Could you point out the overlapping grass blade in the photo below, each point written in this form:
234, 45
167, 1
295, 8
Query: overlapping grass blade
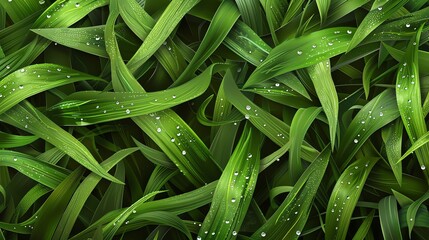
412, 212
320, 75
378, 14
289, 219
234, 190
380, 111
28, 118
392, 138
408, 95
364, 228
11, 140
301, 122
344, 197
309, 50
323, 6
389, 219
34, 79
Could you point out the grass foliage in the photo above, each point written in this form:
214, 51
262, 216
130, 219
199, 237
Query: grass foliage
210, 119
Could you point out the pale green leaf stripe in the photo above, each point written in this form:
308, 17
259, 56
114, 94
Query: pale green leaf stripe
389, 219
377, 15
34, 79
172, 15
344, 197
289, 219
85, 108
42, 172
222, 22
234, 191
28, 118
408, 95
320, 75
301, 122
412, 212
309, 50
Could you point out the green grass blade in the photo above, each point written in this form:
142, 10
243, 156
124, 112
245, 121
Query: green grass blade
364, 228
11, 140
53, 207
377, 15
301, 122
252, 15
28, 118
309, 50
34, 79
320, 75
408, 95
235, 189
44, 173
289, 219
392, 138
162, 29
323, 6
389, 219
412, 212
344, 197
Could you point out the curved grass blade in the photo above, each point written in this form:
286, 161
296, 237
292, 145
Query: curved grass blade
234, 190
392, 138
252, 15
344, 197
177, 204
111, 228
222, 22
290, 218
11, 141
408, 95
269, 125
320, 75
323, 6
82, 193
85, 108
364, 228
380, 111
34, 79
301, 122
18, 10
28, 118
52, 209
309, 50
377, 15
389, 219
166, 23
42, 172
412, 212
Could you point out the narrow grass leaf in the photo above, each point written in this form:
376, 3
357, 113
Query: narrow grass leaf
44, 173
308, 49
323, 6
380, 111
392, 138
377, 15
412, 212
364, 228
52, 209
408, 95
301, 122
344, 197
389, 219
11, 141
111, 228
289, 219
28, 118
34, 79
320, 75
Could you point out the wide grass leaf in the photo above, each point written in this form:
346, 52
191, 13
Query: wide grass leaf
389, 218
